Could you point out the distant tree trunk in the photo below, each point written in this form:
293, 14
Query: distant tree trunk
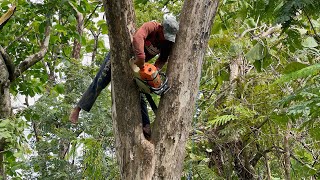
5, 104
5, 107
267, 166
76, 43
64, 144
287, 152
163, 156
8, 73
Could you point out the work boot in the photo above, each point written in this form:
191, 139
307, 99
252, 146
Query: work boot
147, 131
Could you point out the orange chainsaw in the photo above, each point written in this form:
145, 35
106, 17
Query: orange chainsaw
150, 80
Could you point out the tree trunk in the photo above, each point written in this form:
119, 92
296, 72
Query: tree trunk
76, 43
163, 156
5, 104
5, 107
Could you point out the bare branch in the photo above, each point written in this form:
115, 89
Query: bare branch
87, 20
34, 58
248, 30
95, 46
271, 30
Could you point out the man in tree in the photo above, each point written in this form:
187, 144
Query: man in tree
151, 39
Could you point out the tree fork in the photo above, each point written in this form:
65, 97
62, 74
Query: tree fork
163, 157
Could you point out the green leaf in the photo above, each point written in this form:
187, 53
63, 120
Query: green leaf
302, 73
235, 49
281, 119
293, 40
4, 123
42, 27
293, 66
223, 76
61, 29
309, 42
250, 23
315, 133
221, 120
59, 88
258, 52
6, 135
257, 65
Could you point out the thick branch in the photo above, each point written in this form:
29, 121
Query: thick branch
5, 18
34, 58
9, 63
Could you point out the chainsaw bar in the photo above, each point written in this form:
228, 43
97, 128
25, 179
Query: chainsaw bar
158, 91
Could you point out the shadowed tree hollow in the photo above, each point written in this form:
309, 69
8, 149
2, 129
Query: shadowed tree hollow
163, 156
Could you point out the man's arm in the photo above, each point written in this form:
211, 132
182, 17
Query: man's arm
164, 55
139, 39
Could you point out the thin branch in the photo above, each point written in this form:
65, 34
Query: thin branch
259, 155
256, 128
271, 30
281, 150
19, 37
312, 27
287, 153
34, 58
248, 30
87, 20
95, 46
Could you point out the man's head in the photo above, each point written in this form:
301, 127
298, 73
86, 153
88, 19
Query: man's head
170, 27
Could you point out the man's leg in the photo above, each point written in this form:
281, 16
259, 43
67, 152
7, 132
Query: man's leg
145, 118
101, 80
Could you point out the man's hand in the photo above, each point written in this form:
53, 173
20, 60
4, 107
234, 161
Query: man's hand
74, 116
139, 63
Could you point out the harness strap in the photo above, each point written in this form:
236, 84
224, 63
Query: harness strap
151, 102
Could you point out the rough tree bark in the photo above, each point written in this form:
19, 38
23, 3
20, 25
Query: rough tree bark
163, 156
5, 106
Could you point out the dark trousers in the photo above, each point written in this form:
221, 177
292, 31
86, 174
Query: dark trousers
101, 81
